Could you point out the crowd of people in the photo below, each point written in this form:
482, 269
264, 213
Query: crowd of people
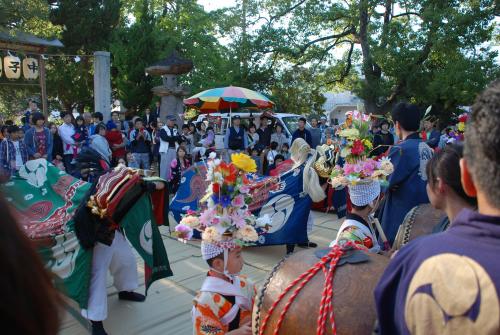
146, 142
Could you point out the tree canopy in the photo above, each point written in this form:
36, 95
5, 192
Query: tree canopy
430, 52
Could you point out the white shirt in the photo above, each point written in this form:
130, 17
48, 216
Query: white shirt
66, 131
19, 158
271, 155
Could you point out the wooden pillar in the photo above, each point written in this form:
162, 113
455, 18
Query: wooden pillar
43, 86
102, 83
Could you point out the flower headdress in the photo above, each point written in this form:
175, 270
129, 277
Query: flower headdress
358, 168
226, 221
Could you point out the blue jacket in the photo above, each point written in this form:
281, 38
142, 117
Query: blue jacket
8, 156
31, 143
433, 139
407, 184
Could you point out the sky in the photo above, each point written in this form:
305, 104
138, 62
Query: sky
216, 4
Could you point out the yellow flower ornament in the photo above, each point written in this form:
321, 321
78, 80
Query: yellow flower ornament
244, 162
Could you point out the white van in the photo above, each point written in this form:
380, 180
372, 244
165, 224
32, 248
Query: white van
220, 121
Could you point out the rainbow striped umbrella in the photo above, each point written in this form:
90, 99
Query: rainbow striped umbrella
227, 98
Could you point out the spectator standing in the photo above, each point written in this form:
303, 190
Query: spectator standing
115, 117
279, 136
264, 133
383, 139
97, 118
253, 137
57, 152
66, 132
116, 143
235, 139
430, 134
149, 117
100, 144
302, 132
315, 133
157, 110
187, 139
38, 139
81, 135
87, 118
13, 153
140, 145
155, 138
169, 140
177, 167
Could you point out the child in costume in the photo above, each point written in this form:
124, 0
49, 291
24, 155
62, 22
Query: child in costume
224, 303
362, 175
81, 137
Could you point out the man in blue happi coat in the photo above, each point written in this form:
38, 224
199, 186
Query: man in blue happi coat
449, 283
407, 184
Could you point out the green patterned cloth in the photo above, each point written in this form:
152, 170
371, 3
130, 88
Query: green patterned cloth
44, 200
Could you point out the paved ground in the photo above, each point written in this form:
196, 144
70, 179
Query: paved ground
167, 308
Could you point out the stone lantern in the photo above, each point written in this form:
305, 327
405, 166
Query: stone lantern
170, 92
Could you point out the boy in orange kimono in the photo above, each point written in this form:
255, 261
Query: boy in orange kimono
225, 301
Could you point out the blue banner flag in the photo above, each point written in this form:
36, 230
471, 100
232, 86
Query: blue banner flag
282, 198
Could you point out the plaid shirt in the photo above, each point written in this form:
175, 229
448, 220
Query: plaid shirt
8, 156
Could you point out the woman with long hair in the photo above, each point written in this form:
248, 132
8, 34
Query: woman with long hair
444, 185
30, 305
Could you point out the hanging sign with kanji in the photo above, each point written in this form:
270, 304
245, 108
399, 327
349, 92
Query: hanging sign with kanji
30, 68
12, 67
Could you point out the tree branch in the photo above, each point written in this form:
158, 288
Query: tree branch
347, 31
407, 14
347, 68
286, 11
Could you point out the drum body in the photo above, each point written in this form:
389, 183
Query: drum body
353, 299
419, 221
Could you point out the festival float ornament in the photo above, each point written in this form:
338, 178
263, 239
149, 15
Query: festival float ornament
358, 168
226, 221
30, 68
357, 139
12, 67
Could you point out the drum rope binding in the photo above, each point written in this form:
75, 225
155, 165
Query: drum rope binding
263, 292
326, 305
